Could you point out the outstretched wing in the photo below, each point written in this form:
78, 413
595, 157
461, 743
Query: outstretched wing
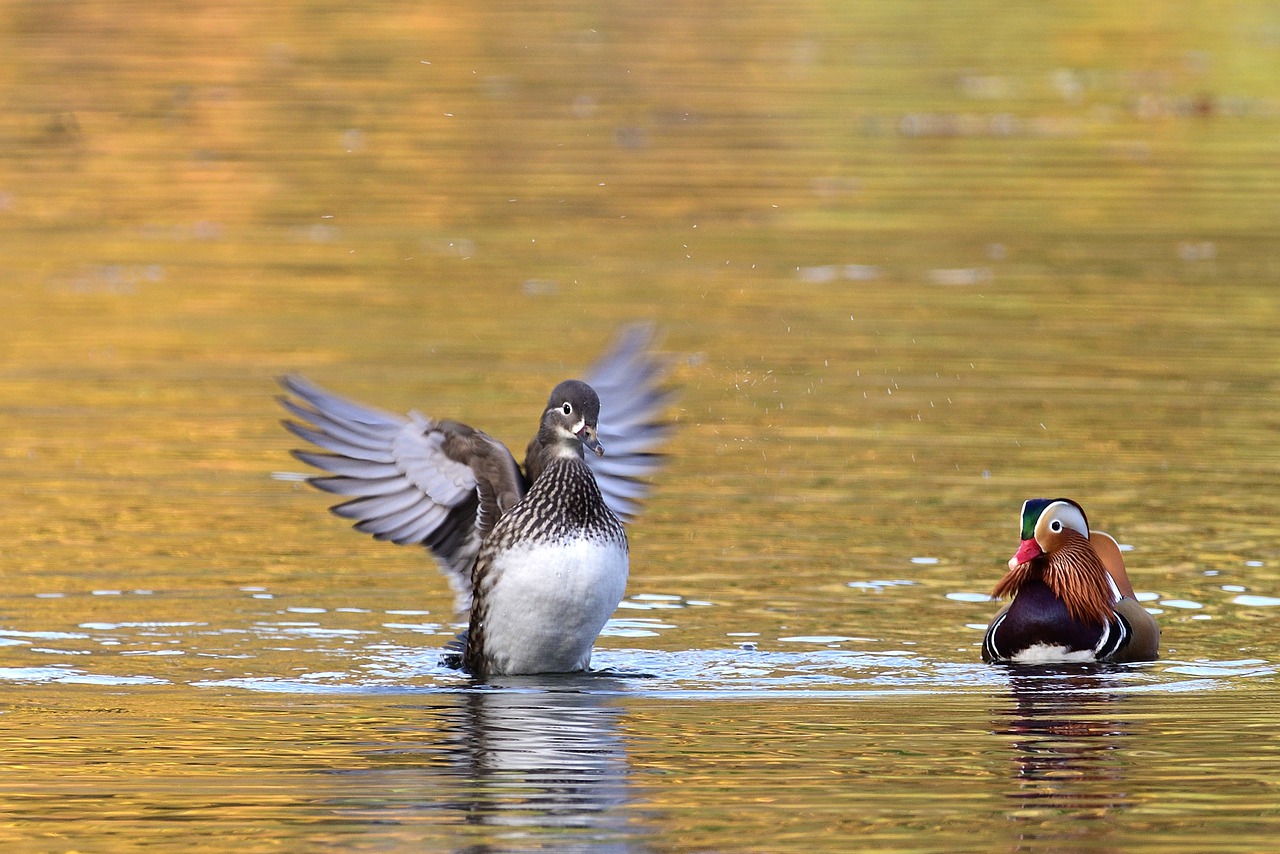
633, 395
411, 480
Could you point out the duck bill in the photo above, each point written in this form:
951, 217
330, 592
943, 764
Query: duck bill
1028, 550
588, 436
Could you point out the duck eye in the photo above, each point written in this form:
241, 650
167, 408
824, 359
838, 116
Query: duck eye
1055, 526
567, 408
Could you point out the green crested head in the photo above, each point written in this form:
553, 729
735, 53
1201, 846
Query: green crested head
1032, 508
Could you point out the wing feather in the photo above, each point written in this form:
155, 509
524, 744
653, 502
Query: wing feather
409, 479
631, 382
339, 445
372, 509
348, 467
357, 485
415, 480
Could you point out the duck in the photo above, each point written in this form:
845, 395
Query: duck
1072, 600
537, 555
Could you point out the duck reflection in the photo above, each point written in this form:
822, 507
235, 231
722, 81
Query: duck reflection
1068, 744
550, 756
541, 760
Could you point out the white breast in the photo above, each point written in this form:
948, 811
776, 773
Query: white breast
548, 603
1046, 653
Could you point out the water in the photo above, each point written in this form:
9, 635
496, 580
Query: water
917, 265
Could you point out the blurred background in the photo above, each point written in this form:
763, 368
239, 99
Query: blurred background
919, 262
915, 262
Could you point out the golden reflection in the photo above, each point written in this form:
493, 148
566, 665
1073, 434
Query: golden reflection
521, 755
1068, 744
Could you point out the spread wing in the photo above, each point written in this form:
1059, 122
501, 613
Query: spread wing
410, 480
633, 395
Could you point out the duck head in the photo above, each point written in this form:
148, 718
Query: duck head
1045, 523
1056, 547
571, 418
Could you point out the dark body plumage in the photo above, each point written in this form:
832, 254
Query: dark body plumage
537, 557
1037, 617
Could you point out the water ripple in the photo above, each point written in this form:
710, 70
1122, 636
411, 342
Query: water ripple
68, 675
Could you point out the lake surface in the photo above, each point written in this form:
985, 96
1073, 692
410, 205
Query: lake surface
914, 264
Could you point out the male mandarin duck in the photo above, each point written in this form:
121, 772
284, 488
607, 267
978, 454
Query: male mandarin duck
1072, 599
537, 557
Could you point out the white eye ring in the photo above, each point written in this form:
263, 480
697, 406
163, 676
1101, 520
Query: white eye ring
567, 409
1055, 526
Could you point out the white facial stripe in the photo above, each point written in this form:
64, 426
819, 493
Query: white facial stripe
576, 428
1069, 515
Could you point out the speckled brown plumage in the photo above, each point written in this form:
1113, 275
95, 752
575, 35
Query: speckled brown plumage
540, 550
564, 502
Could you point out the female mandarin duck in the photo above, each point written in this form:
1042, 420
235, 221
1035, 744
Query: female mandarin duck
537, 557
1072, 600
